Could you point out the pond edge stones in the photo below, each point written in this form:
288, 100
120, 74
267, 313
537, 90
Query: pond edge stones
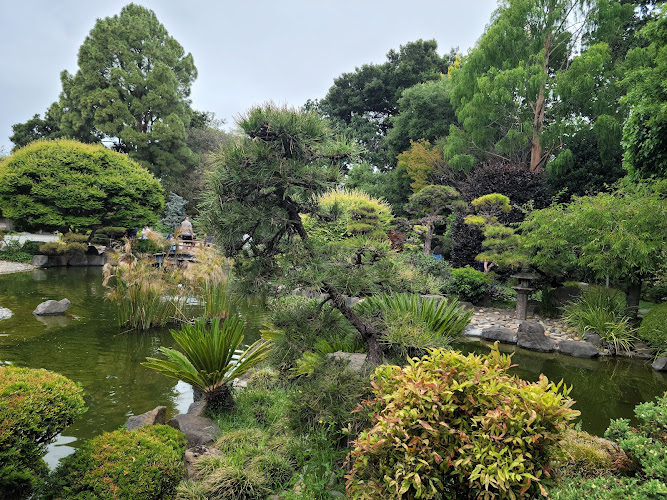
530, 335
52, 307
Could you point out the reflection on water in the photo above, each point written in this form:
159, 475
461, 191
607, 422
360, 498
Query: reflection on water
603, 388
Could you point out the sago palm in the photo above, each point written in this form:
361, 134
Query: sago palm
211, 358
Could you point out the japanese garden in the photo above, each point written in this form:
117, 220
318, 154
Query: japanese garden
444, 279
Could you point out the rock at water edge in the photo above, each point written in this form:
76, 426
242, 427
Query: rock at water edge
52, 307
502, 335
154, 417
578, 349
198, 430
530, 335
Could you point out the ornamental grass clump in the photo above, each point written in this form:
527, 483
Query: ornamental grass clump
454, 426
412, 324
602, 310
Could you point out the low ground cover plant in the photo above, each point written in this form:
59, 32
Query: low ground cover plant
35, 405
449, 425
145, 464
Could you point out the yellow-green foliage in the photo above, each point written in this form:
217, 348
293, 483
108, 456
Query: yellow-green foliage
345, 213
585, 455
455, 426
35, 405
63, 183
145, 464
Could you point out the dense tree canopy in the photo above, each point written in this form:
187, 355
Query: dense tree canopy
620, 235
131, 88
362, 102
645, 131
64, 184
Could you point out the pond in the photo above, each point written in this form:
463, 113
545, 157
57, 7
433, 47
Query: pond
88, 347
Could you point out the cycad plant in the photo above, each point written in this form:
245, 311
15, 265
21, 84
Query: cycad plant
412, 324
211, 358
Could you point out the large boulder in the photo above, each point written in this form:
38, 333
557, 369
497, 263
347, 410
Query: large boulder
40, 260
199, 431
77, 259
660, 364
565, 294
578, 349
355, 361
52, 307
157, 416
530, 335
5, 313
502, 335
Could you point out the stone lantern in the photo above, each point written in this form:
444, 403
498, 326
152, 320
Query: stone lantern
523, 291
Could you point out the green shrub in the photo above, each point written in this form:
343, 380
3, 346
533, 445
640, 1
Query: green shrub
18, 252
456, 426
411, 324
60, 247
468, 284
646, 444
71, 237
585, 455
601, 310
328, 397
144, 464
298, 323
653, 328
35, 405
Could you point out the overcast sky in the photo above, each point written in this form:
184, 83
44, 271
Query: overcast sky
246, 52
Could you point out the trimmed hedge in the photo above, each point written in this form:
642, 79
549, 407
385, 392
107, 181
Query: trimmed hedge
145, 464
468, 284
35, 405
653, 329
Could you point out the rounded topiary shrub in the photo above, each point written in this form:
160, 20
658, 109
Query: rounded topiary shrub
145, 464
653, 329
468, 284
454, 426
62, 184
35, 405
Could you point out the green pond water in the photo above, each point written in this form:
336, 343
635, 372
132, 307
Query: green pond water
88, 347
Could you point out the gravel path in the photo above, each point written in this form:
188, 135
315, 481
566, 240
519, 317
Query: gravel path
7, 267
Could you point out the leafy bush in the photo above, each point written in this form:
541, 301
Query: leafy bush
468, 284
60, 247
412, 324
145, 464
456, 426
601, 310
653, 328
426, 264
35, 405
14, 251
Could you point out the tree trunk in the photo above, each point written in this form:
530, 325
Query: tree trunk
428, 238
366, 329
538, 112
632, 295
